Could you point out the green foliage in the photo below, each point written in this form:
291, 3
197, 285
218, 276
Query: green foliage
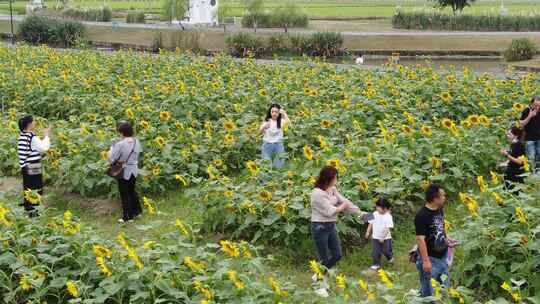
224, 10
102, 14
520, 49
456, 5
245, 44
135, 17
286, 16
435, 20
174, 9
38, 30
327, 44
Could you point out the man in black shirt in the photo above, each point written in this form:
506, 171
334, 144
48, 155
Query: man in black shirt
530, 121
432, 241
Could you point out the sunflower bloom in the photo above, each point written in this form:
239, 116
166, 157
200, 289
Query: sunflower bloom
25, 284
193, 265
252, 167
316, 269
520, 215
165, 115
32, 196
494, 178
341, 281
265, 195
308, 153
363, 186
276, 288
231, 249
481, 183
525, 162
72, 289
180, 225
160, 141
385, 279
181, 179
234, 278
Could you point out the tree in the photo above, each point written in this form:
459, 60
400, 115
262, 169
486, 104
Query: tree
255, 9
223, 12
456, 5
287, 15
174, 9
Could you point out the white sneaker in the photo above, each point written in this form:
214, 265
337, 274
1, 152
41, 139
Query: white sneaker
322, 292
314, 278
375, 267
391, 261
121, 221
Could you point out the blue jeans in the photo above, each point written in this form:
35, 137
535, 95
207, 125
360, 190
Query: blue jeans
271, 152
327, 243
533, 153
439, 268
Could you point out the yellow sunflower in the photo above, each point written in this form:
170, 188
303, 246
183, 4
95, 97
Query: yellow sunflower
160, 141
426, 130
165, 115
406, 129
473, 119
445, 96
229, 125
218, 162
447, 123
130, 114
265, 195
253, 168
229, 139
145, 124
308, 153
263, 93
325, 123
518, 107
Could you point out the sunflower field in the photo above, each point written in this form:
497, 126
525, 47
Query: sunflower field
390, 132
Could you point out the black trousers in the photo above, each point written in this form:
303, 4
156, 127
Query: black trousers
131, 206
33, 182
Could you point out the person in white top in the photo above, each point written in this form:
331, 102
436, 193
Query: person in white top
380, 225
272, 130
30, 149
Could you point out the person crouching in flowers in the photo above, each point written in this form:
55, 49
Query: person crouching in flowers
127, 151
326, 204
515, 155
272, 130
30, 150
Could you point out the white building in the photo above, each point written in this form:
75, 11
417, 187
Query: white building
203, 12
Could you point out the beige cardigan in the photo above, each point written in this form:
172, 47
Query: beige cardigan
324, 205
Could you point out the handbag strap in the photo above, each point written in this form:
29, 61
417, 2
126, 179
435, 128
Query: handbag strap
120, 156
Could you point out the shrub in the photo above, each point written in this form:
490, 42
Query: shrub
286, 16
300, 44
135, 17
37, 30
242, 44
520, 49
428, 19
276, 44
68, 33
178, 39
103, 14
328, 44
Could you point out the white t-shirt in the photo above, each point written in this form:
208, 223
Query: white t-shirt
273, 134
379, 223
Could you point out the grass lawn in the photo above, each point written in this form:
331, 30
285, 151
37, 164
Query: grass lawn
328, 8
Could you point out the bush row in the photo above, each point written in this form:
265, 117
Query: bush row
102, 14
44, 30
520, 49
327, 44
426, 19
276, 19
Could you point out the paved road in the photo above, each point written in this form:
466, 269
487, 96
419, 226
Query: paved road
347, 33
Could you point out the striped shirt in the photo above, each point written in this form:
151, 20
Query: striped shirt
24, 148
30, 148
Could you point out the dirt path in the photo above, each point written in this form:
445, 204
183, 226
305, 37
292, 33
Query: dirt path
97, 206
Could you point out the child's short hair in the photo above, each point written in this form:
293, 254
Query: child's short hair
383, 203
517, 131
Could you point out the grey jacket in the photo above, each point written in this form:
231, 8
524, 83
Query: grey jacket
120, 150
324, 205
